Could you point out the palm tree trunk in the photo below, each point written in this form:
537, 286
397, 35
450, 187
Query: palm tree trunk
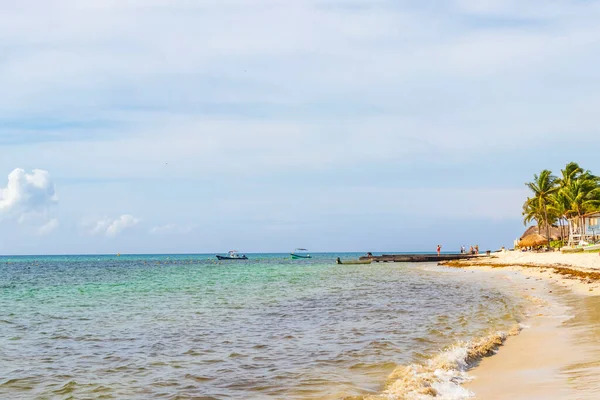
560, 226
546, 222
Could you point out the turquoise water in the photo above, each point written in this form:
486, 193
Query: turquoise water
187, 326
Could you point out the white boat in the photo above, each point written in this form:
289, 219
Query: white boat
300, 253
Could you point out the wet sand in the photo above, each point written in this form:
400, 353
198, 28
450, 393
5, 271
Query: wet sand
557, 355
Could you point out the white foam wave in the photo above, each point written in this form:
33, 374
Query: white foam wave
442, 377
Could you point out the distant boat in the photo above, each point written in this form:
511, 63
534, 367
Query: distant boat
299, 253
352, 262
232, 255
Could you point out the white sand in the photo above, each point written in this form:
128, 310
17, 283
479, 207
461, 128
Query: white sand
577, 260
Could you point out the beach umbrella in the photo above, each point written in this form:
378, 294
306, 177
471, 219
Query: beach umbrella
533, 240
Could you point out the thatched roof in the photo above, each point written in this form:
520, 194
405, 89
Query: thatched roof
555, 233
533, 240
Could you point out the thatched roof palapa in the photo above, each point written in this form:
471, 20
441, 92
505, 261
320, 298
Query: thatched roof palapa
533, 240
555, 232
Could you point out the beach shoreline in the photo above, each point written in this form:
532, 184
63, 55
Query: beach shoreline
587, 261
580, 272
539, 362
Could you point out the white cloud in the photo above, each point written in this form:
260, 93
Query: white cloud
120, 224
48, 228
179, 94
171, 229
112, 227
27, 194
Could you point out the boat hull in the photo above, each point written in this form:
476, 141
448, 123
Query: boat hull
231, 258
354, 262
297, 256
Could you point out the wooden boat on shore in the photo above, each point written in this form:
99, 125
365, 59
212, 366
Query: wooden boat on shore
232, 255
352, 262
299, 253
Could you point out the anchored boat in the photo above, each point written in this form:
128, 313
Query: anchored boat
352, 262
300, 253
232, 255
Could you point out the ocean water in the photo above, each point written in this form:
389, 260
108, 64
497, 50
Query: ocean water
188, 326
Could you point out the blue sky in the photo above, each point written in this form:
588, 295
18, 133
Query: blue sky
336, 125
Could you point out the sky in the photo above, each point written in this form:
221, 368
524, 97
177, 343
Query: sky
192, 126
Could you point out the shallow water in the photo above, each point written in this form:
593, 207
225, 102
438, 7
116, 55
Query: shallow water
188, 327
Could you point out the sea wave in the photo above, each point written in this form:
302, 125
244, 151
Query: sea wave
443, 375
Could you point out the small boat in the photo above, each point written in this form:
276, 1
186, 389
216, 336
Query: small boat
232, 255
299, 253
352, 262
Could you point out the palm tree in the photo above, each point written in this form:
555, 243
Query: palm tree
578, 192
571, 173
543, 187
582, 196
560, 208
532, 212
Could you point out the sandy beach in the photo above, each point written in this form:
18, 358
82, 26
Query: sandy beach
575, 260
580, 271
557, 355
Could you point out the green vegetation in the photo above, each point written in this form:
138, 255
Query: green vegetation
555, 200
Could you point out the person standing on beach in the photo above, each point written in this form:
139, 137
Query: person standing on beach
476, 249
439, 248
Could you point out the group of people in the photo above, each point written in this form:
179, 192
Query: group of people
463, 250
472, 249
